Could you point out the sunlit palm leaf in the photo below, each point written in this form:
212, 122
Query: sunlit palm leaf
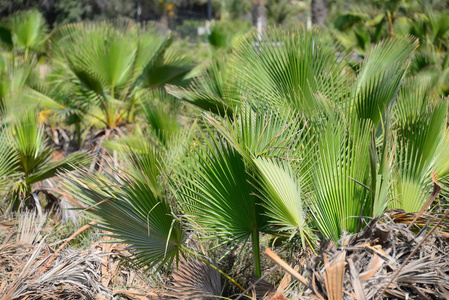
380, 77
108, 64
28, 30
340, 175
422, 148
218, 193
257, 130
282, 198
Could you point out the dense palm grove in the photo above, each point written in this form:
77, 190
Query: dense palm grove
289, 138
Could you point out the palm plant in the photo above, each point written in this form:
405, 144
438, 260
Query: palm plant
348, 148
106, 68
135, 198
421, 134
130, 210
24, 32
292, 140
20, 89
26, 160
298, 69
219, 195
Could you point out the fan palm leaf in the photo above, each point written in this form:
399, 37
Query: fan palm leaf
266, 139
24, 31
422, 148
161, 115
132, 213
215, 90
31, 159
281, 196
133, 203
257, 130
109, 65
9, 162
340, 176
380, 77
28, 29
298, 69
217, 194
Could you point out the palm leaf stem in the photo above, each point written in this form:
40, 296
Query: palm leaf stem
256, 252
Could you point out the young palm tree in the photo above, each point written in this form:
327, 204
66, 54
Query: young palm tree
26, 159
344, 110
106, 68
23, 32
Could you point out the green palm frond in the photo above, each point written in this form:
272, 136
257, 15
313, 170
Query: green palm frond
422, 148
109, 65
30, 159
257, 130
9, 163
340, 176
128, 209
29, 142
160, 115
28, 30
215, 89
382, 167
380, 77
105, 56
298, 69
142, 159
217, 194
438, 29
281, 196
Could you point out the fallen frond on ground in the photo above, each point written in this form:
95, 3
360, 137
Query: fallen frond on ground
386, 260
36, 271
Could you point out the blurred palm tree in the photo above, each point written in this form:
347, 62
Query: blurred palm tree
23, 32
26, 160
105, 69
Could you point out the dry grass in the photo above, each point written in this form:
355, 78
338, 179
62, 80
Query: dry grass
31, 269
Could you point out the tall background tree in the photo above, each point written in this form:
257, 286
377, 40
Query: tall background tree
319, 11
259, 15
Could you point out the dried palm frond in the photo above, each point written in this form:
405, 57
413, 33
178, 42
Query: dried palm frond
30, 224
72, 276
386, 260
195, 280
37, 272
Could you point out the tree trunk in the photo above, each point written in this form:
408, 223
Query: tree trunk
259, 15
319, 11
